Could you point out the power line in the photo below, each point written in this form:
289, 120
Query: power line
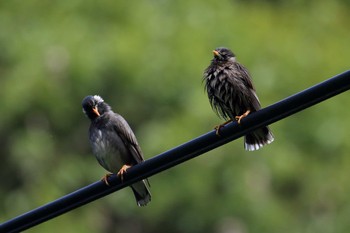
182, 153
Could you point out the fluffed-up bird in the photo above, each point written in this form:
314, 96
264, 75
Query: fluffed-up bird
114, 144
232, 95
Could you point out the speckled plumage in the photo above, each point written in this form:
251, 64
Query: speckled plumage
231, 93
114, 143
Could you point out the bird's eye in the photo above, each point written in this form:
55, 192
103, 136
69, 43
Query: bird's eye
223, 56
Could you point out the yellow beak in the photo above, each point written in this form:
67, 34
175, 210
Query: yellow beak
94, 109
216, 53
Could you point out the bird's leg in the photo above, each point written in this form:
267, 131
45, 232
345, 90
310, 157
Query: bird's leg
239, 118
105, 178
218, 127
122, 171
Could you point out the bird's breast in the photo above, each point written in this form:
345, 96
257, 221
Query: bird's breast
226, 92
108, 149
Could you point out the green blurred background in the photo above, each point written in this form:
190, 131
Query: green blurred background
146, 59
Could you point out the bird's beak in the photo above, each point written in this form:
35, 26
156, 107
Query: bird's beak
216, 53
94, 109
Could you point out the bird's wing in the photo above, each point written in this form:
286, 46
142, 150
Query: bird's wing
244, 76
123, 129
240, 77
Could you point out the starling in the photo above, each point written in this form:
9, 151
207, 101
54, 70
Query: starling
232, 95
114, 144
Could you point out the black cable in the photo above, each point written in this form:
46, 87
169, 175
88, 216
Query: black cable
182, 153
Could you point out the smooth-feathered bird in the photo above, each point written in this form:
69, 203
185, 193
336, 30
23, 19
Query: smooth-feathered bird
232, 95
114, 144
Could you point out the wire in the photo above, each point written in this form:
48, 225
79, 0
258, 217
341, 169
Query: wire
182, 153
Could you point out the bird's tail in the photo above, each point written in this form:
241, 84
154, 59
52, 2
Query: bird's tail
258, 138
141, 192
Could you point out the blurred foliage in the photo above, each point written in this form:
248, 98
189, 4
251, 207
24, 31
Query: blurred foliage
146, 59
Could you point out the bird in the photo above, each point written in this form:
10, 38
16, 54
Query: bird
232, 95
114, 144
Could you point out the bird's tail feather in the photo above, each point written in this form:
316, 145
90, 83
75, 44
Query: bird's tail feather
141, 192
258, 138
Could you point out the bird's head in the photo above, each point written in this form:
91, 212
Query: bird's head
94, 106
222, 54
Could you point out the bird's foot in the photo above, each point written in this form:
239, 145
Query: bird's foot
239, 118
122, 171
218, 127
105, 178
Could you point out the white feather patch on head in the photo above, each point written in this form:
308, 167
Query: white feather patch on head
98, 99
232, 59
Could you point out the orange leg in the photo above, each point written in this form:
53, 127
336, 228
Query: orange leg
122, 171
218, 127
239, 118
105, 179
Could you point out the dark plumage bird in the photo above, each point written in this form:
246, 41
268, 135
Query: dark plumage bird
114, 144
232, 95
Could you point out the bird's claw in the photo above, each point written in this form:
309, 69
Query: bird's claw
105, 179
122, 171
218, 127
239, 118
